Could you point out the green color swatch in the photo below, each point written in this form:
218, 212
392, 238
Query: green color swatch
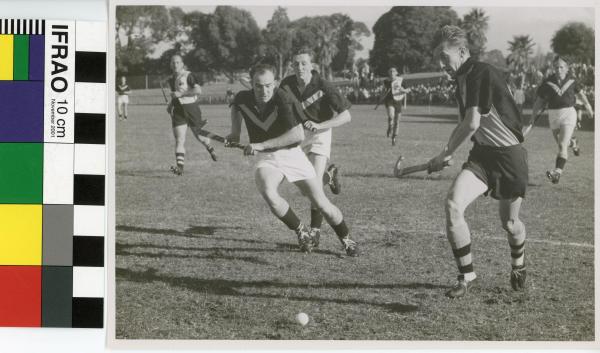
21, 58
21, 173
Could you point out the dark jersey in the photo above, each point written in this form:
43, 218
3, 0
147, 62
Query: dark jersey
559, 94
320, 101
123, 90
277, 118
483, 85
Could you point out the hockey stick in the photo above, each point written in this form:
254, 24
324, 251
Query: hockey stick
400, 171
382, 98
207, 133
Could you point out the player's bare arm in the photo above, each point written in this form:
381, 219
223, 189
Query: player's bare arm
236, 126
461, 133
196, 90
587, 104
538, 107
294, 135
339, 120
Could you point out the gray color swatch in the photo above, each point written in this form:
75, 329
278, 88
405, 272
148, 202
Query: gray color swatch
57, 235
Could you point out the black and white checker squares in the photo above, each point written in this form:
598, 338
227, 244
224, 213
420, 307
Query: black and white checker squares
89, 174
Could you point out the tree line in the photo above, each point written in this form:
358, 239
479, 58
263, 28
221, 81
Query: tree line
229, 41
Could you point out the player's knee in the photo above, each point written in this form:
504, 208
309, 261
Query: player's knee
513, 226
454, 213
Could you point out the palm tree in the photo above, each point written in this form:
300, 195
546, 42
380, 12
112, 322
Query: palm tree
326, 45
475, 24
520, 49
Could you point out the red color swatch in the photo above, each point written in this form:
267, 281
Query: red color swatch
21, 296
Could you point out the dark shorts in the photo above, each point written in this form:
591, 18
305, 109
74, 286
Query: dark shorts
396, 104
187, 114
503, 169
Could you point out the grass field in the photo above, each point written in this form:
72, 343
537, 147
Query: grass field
201, 257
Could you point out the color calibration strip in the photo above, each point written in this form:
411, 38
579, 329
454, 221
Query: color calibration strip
52, 176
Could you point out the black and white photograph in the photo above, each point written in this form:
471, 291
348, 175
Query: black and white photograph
353, 173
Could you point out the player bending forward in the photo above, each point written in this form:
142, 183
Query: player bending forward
497, 164
275, 135
184, 111
323, 108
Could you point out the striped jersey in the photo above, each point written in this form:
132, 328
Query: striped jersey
483, 85
184, 82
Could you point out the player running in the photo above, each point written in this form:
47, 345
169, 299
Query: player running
123, 92
393, 97
323, 108
185, 111
497, 164
559, 92
275, 135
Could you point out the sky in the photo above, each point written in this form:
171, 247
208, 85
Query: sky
539, 22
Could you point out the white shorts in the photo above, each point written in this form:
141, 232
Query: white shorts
317, 142
562, 117
292, 163
123, 99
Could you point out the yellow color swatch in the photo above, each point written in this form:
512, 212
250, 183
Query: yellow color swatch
20, 234
6, 57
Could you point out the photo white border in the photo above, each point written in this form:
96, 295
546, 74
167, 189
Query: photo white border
312, 345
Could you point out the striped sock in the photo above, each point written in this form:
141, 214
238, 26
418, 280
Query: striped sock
516, 239
459, 237
517, 255
180, 158
464, 260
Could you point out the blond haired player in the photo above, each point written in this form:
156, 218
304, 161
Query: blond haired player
497, 164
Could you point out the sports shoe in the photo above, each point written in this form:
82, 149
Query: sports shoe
350, 246
178, 170
553, 176
304, 240
461, 287
211, 151
518, 275
393, 140
573, 144
334, 181
315, 237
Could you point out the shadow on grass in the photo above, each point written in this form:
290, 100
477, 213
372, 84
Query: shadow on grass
231, 287
216, 255
196, 232
151, 173
125, 249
